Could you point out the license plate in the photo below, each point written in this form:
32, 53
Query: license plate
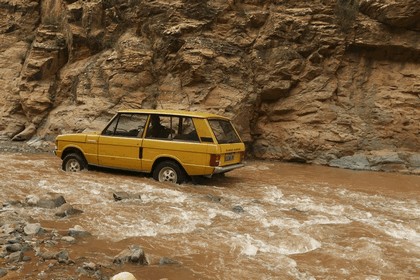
229, 157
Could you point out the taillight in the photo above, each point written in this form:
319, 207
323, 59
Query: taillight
214, 160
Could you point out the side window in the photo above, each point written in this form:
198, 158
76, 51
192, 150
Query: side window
160, 127
127, 125
109, 130
171, 127
185, 129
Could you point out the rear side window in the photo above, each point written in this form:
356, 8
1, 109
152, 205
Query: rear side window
126, 125
172, 128
224, 131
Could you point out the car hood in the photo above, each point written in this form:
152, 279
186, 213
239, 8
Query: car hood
76, 137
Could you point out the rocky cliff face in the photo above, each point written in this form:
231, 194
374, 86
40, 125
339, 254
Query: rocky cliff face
327, 82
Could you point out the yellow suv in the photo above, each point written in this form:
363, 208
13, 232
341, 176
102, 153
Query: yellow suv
169, 144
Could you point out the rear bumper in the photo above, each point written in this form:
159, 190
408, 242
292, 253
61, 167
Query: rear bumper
224, 169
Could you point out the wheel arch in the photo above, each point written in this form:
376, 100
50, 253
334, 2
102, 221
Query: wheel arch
71, 150
166, 158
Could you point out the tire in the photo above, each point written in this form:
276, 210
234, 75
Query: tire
73, 163
169, 171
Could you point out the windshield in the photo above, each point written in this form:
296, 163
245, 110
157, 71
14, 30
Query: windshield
224, 131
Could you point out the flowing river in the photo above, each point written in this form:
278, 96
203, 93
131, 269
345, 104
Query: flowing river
268, 220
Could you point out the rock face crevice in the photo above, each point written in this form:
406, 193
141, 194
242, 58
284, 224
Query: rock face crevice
302, 82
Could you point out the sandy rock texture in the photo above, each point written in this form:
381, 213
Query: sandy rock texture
310, 82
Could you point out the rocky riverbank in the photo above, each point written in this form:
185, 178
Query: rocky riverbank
32, 146
30, 250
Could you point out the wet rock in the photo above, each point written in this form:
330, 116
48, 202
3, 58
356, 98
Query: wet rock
9, 228
53, 201
32, 229
12, 203
42, 275
67, 210
134, 254
3, 252
48, 255
120, 196
123, 276
89, 266
381, 160
137, 255
214, 198
238, 209
297, 210
32, 200
167, 261
63, 256
50, 243
355, 162
68, 239
14, 240
124, 195
89, 269
15, 257
13, 247
78, 231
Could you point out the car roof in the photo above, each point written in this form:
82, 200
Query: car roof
174, 113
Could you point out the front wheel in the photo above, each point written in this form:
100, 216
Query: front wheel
169, 171
73, 163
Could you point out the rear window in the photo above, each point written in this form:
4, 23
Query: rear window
171, 128
224, 131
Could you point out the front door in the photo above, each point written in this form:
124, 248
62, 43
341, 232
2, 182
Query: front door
120, 144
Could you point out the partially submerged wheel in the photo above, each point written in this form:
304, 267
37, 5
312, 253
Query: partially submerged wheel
73, 163
169, 171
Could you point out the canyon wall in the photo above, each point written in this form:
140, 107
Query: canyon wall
326, 82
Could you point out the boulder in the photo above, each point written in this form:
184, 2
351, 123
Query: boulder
134, 254
123, 276
78, 231
67, 210
32, 229
356, 162
124, 195
51, 201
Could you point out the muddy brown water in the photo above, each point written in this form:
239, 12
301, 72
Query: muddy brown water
298, 221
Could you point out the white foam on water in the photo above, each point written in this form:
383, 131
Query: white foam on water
295, 243
162, 220
272, 194
327, 220
120, 230
261, 167
281, 223
386, 208
396, 230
